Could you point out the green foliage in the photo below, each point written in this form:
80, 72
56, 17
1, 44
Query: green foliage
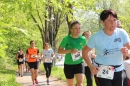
7, 76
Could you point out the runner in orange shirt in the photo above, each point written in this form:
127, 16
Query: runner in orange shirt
32, 55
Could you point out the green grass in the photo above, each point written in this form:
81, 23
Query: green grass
7, 76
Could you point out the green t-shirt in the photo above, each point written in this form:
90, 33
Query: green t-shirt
70, 43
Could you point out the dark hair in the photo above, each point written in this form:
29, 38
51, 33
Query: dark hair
73, 23
126, 58
104, 14
32, 41
46, 43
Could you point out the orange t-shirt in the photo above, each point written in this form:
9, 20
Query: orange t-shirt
32, 51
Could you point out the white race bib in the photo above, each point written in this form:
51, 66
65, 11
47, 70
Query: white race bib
47, 60
20, 60
106, 72
77, 55
33, 56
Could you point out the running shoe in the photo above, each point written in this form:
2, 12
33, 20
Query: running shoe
33, 85
36, 81
48, 82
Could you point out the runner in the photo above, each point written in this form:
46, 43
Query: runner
72, 45
26, 65
48, 56
20, 61
32, 55
110, 44
91, 54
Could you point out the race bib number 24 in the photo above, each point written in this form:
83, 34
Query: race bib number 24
106, 72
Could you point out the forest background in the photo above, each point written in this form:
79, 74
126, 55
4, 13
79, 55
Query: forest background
49, 20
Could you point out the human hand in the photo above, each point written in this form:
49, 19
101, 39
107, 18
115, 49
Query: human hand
124, 51
74, 51
94, 69
34, 56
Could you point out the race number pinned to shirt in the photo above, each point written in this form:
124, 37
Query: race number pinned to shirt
20, 60
77, 55
47, 60
106, 72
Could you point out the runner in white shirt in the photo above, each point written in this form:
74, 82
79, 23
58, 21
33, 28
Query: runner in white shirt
48, 56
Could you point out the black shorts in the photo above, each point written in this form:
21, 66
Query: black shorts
26, 61
19, 63
120, 79
71, 70
33, 65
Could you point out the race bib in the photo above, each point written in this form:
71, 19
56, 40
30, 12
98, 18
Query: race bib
77, 55
20, 60
33, 56
47, 60
106, 72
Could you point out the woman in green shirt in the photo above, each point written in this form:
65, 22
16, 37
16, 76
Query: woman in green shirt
72, 46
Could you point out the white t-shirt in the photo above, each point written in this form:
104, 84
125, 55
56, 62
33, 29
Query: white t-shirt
47, 54
89, 54
127, 67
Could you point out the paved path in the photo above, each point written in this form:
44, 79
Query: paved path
26, 80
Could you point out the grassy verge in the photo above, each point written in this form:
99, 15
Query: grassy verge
7, 76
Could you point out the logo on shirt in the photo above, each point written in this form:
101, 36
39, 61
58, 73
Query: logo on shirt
110, 51
106, 52
117, 40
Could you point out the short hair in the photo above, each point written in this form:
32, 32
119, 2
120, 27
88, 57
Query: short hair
105, 13
46, 43
32, 41
73, 23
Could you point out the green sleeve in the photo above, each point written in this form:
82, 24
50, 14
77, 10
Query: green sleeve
64, 42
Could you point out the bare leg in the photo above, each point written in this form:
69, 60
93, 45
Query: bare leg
79, 79
70, 82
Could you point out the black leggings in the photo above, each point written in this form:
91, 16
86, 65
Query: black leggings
88, 76
47, 67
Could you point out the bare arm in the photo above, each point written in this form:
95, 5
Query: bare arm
93, 55
85, 56
63, 51
126, 49
26, 55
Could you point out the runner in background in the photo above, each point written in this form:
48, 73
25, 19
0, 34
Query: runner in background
26, 65
32, 54
91, 54
127, 67
119, 24
48, 56
71, 46
20, 61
